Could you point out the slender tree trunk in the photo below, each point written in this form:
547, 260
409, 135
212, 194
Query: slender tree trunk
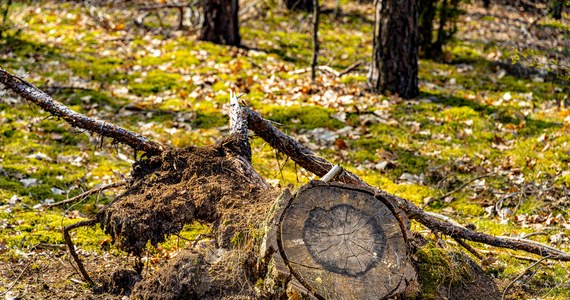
441, 33
315, 39
5, 17
306, 5
395, 53
426, 17
220, 23
487, 4
337, 9
557, 9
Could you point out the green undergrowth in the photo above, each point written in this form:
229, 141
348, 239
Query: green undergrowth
470, 120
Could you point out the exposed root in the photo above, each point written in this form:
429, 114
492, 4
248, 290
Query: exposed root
71, 247
88, 193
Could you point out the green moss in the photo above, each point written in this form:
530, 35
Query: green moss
238, 239
462, 113
155, 81
556, 24
33, 228
565, 179
464, 53
209, 119
185, 238
10, 185
469, 209
438, 267
306, 117
352, 79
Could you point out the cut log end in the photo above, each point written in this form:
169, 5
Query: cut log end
340, 242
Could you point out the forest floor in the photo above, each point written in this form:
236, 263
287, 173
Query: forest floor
486, 143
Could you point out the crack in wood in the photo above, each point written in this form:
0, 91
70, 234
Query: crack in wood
341, 242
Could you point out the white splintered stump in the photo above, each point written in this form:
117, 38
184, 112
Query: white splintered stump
344, 243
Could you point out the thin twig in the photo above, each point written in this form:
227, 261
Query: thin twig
87, 194
444, 218
464, 185
349, 68
473, 251
11, 285
332, 173
521, 275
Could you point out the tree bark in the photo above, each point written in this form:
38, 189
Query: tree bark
221, 24
315, 40
487, 4
306, 5
43, 100
426, 16
394, 66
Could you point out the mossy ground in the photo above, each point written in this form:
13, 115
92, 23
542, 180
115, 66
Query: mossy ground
469, 121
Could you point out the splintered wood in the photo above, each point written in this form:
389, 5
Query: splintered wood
344, 243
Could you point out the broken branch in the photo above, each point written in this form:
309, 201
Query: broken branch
43, 100
238, 125
320, 166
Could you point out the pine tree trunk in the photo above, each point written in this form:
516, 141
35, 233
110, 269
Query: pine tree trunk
220, 23
395, 53
306, 5
426, 16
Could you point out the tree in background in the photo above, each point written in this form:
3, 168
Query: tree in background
315, 39
220, 25
426, 16
5, 18
306, 5
394, 65
556, 9
446, 14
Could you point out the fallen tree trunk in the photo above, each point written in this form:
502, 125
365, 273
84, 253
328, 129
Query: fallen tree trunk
319, 166
218, 185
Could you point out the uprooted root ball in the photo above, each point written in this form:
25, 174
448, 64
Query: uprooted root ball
180, 186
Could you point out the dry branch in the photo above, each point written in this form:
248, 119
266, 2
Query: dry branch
43, 100
329, 70
294, 150
319, 166
179, 6
238, 126
88, 193
69, 243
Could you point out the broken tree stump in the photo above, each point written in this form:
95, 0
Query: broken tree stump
338, 242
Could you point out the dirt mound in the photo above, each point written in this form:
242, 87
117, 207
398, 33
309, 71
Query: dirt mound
210, 274
119, 283
184, 278
475, 285
182, 185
